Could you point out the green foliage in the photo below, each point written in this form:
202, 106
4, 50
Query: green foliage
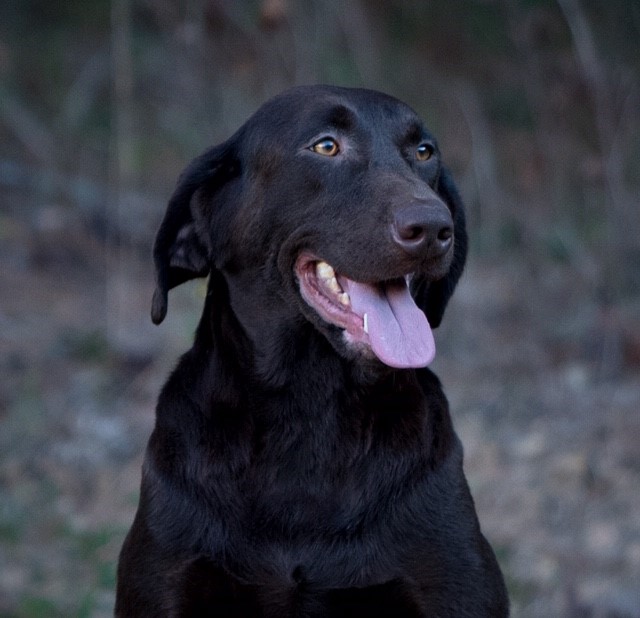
38, 607
89, 347
521, 592
486, 27
88, 542
48, 55
508, 106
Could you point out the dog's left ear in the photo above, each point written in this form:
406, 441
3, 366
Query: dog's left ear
433, 297
182, 248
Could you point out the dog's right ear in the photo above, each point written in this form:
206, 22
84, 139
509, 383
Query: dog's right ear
182, 248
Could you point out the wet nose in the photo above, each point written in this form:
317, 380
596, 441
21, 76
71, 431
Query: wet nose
423, 229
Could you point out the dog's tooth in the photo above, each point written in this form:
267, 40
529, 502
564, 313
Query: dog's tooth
365, 323
332, 284
344, 299
325, 271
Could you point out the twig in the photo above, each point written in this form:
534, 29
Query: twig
121, 162
483, 158
33, 134
610, 124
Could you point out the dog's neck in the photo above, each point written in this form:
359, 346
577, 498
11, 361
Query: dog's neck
292, 377
278, 347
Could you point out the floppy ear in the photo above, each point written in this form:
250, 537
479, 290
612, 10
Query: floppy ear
433, 297
182, 248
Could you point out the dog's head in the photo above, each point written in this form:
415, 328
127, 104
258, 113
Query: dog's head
333, 206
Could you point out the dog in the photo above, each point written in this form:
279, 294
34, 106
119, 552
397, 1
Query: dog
303, 461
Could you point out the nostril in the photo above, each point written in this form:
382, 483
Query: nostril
445, 234
412, 232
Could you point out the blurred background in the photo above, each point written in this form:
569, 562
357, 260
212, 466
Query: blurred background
536, 105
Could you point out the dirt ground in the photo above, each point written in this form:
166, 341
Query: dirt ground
544, 385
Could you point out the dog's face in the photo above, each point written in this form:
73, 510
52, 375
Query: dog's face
334, 203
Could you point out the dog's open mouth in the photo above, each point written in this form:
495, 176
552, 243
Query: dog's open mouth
382, 317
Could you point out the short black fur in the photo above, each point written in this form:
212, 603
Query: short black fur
291, 472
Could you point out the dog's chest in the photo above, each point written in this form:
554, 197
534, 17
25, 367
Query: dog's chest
308, 489
352, 533
346, 488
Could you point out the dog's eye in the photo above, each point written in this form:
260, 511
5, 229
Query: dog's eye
424, 152
327, 146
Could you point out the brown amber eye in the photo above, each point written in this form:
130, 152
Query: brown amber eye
424, 152
327, 146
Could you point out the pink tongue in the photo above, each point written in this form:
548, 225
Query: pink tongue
399, 333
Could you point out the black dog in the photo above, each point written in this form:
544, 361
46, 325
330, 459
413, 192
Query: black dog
303, 461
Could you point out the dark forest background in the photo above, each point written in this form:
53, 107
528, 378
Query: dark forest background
536, 104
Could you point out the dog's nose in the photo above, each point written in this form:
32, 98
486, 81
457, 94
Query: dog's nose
423, 229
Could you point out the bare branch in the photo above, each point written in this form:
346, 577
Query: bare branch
28, 129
